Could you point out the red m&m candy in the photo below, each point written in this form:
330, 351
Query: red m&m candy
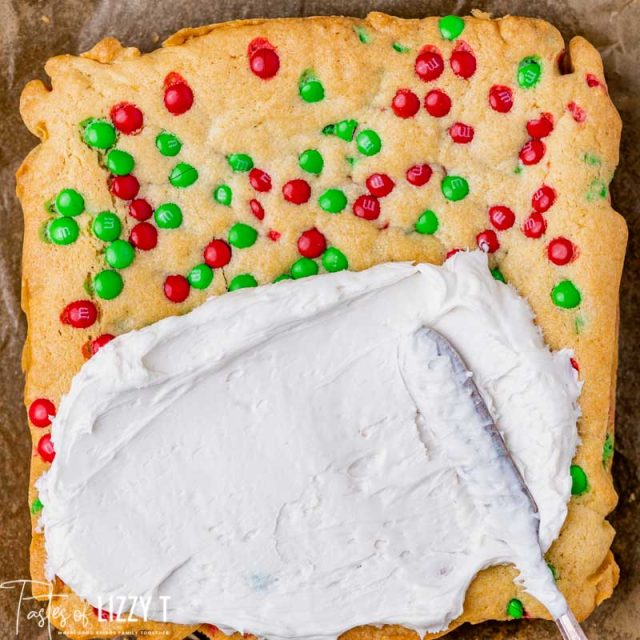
45, 448
312, 243
592, 80
578, 113
124, 187
260, 180
217, 254
176, 288
461, 133
97, 343
41, 411
144, 236
380, 184
366, 207
501, 217
178, 97
534, 226
437, 103
543, 199
532, 152
561, 251
419, 174
501, 98
429, 64
257, 209
127, 118
488, 241
79, 314
264, 62
296, 191
541, 127
140, 209
463, 62
405, 103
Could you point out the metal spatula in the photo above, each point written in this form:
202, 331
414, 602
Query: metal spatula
567, 624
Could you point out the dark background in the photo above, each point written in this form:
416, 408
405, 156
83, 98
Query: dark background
32, 31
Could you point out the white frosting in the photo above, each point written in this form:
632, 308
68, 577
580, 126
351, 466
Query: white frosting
295, 460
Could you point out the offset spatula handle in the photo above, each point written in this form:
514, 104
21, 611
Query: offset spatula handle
569, 627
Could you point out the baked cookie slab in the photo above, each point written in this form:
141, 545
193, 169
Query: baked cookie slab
244, 152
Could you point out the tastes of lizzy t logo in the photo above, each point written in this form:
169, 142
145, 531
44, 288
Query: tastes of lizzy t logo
115, 609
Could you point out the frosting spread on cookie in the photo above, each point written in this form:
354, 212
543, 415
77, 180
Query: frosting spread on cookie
295, 460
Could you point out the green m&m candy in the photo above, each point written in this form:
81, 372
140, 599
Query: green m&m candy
345, 129
36, 506
400, 48
223, 195
99, 134
554, 571
303, 268
454, 188
240, 162
183, 175
607, 449
310, 88
119, 254
242, 281
427, 223
579, 482
63, 230
108, 284
368, 142
334, 260
515, 609
566, 295
168, 144
106, 226
119, 162
529, 72
451, 27
333, 200
498, 275
311, 161
242, 235
69, 203
201, 276
284, 276
168, 216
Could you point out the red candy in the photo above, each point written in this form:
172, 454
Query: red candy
79, 314
41, 411
488, 241
574, 364
273, 235
561, 251
264, 62
543, 199
429, 64
461, 133
592, 80
124, 187
534, 226
452, 252
140, 209
463, 62
97, 343
501, 217
541, 127
176, 288
437, 103
501, 98
311, 243
127, 118
296, 191
405, 103
578, 113
419, 174
532, 152
178, 97
380, 184
367, 207
45, 448
217, 254
144, 236
257, 209
260, 180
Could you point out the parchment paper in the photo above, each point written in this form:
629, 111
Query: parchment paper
32, 31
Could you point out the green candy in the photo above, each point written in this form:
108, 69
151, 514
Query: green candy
607, 449
168, 216
554, 571
310, 88
334, 260
223, 195
427, 223
183, 175
498, 275
201, 276
345, 129
168, 144
242, 235
451, 27
106, 226
119, 162
240, 162
119, 254
329, 130
63, 230
108, 284
303, 268
311, 161
529, 72
36, 506
579, 482
333, 200
284, 276
400, 48
69, 203
368, 142
99, 134
515, 609
566, 295
454, 188
362, 34
242, 281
